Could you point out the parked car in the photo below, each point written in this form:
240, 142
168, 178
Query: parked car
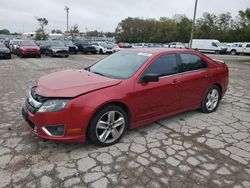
72, 48
102, 47
4, 52
246, 48
57, 48
124, 45
13, 46
28, 48
177, 45
42, 44
239, 48
127, 89
85, 47
139, 45
116, 48
209, 46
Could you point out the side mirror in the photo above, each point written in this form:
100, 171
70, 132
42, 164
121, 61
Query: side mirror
150, 77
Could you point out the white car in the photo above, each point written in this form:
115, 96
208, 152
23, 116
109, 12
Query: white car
102, 47
13, 46
116, 48
239, 48
177, 45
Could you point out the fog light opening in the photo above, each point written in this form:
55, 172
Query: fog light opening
54, 130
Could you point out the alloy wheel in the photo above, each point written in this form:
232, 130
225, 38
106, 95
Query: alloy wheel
212, 99
110, 126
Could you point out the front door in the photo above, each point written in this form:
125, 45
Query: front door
158, 98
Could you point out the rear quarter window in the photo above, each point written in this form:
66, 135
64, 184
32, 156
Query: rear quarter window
190, 62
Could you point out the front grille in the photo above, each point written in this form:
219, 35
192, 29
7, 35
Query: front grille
61, 52
30, 108
30, 123
25, 116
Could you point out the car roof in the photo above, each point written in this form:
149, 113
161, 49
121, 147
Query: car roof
156, 51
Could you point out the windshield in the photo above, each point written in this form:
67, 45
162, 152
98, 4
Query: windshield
57, 44
121, 65
103, 44
15, 42
27, 43
68, 42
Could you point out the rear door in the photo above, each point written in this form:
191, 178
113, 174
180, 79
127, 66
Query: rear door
194, 79
162, 97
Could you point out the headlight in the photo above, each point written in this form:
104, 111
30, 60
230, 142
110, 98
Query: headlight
53, 105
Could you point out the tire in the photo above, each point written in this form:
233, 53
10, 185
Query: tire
211, 100
217, 52
233, 52
67, 55
105, 134
100, 51
38, 56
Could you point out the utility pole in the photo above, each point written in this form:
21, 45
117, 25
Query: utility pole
67, 11
193, 24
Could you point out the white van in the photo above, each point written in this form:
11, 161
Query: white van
208, 45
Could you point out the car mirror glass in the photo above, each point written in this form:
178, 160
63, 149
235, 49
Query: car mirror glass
150, 77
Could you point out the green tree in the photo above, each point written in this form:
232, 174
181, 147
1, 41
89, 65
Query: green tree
4, 31
57, 31
40, 32
74, 29
94, 33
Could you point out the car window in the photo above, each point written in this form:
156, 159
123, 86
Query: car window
240, 45
163, 66
191, 62
248, 46
214, 44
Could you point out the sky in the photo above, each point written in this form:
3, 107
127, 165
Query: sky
103, 15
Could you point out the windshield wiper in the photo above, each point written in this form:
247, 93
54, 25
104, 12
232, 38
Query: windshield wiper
98, 73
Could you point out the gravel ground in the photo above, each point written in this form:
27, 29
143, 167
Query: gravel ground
191, 149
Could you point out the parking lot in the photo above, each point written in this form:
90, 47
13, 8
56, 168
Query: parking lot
190, 150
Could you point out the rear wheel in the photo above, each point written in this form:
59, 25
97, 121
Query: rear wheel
108, 125
233, 52
211, 100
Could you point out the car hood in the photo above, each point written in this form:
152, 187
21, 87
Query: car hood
59, 48
72, 83
6, 50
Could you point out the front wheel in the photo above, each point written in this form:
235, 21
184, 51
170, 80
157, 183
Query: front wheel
211, 100
108, 125
233, 52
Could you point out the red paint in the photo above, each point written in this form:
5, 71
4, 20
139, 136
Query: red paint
146, 102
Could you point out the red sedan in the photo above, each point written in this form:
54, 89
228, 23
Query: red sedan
28, 47
128, 89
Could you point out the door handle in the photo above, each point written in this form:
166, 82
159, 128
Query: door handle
175, 81
207, 76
